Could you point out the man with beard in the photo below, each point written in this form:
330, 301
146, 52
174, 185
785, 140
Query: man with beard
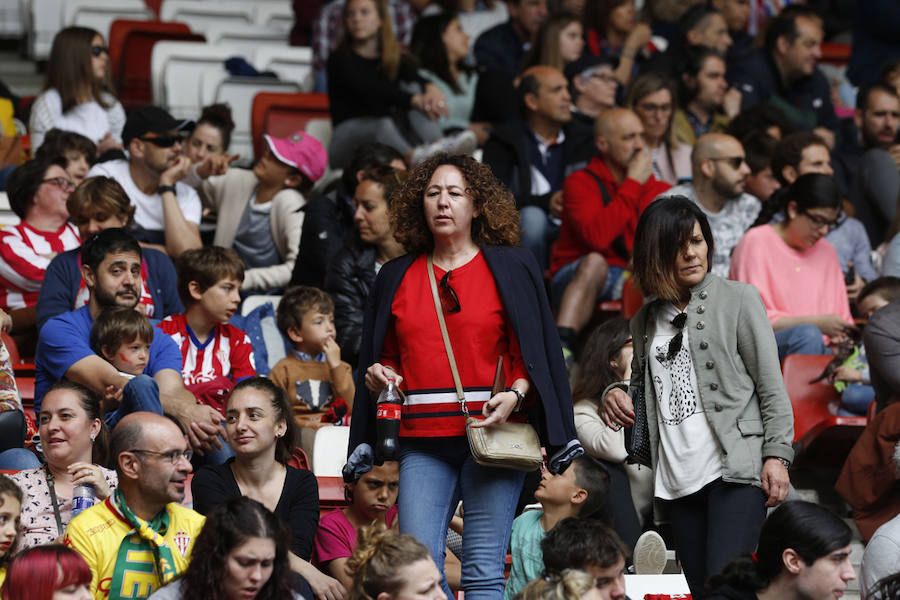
720, 173
111, 267
167, 210
140, 538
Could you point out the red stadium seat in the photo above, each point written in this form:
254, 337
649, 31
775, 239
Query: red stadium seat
331, 494
130, 47
632, 299
280, 114
815, 407
835, 53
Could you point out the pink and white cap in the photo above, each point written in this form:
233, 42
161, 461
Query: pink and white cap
301, 151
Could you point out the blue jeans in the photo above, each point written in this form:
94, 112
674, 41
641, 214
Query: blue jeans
538, 232
800, 339
139, 394
434, 475
855, 400
18, 459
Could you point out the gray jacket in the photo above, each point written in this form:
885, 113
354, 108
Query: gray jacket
736, 362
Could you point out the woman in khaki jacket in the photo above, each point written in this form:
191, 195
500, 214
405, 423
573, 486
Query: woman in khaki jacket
719, 419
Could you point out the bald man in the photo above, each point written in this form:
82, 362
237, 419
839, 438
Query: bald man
720, 172
601, 206
533, 155
139, 539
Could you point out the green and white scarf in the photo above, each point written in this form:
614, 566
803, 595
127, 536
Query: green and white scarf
145, 537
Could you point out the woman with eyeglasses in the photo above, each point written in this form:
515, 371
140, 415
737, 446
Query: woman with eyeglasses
37, 194
453, 217
74, 440
261, 430
352, 272
705, 377
653, 98
78, 93
796, 270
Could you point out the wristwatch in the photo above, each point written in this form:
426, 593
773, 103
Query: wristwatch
783, 461
520, 397
165, 188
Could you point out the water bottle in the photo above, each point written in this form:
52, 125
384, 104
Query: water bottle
387, 419
83, 497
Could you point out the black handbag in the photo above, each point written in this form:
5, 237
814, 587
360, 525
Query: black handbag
637, 437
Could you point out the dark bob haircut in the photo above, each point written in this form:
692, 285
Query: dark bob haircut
662, 231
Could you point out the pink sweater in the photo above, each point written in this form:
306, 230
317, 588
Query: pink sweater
792, 283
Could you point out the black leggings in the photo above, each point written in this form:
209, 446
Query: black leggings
712, 526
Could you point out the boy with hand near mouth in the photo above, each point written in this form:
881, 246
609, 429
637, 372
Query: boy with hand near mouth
215, 355
319, 384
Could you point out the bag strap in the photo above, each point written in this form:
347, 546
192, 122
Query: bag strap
440, 315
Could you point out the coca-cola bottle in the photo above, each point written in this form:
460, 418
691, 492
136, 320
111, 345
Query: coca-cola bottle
387, 419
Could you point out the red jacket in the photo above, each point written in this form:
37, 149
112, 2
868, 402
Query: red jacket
589, 224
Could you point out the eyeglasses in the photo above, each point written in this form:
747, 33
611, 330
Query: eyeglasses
172, 455
734, 162
652, 108
98, 50
449, 299
60, 182
164, 141
605, 78
820, 222
675, 343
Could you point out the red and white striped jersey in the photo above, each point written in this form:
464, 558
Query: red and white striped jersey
25, 253
227, 352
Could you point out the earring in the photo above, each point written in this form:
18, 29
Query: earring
93, 437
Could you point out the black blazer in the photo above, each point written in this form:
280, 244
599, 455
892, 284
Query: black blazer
521, 288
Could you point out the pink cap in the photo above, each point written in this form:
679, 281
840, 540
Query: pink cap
302, 151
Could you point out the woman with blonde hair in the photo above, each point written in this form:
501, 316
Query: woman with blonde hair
456, 220
572, 584
387, 565
78, 93
653, 97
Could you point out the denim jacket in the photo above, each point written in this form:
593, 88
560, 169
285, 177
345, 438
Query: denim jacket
738, 375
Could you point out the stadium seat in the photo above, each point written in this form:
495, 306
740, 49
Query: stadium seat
238, 92
255, 300
835, 53
632, 299
288, 62
119, 31
203, 14
12, 18
329, 453
134, 83
247, 38
815, 407
43, 19
99, 14
277, 15
177, 69
281, 115
331, 494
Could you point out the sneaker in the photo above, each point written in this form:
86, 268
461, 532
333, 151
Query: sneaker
649, 554
464, 142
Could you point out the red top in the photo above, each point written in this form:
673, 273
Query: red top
589, 226
479, 333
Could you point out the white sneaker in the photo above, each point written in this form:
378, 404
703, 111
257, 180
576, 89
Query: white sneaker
464, 142
649, 554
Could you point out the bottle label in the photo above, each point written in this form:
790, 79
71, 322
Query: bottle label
80, 503
388, 410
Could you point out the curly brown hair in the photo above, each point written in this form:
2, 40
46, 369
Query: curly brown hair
497, 223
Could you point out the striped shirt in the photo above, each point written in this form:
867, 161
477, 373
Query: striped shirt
25, 253
227, 353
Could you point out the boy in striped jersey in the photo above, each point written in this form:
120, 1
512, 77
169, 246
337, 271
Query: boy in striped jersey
215, 355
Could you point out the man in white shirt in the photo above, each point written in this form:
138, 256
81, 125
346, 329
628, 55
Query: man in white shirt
167, 211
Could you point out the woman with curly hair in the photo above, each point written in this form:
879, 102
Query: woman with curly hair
453, 212
241, 554
394, 564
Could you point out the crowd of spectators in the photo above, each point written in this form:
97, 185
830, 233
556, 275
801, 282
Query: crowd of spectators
496, 172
